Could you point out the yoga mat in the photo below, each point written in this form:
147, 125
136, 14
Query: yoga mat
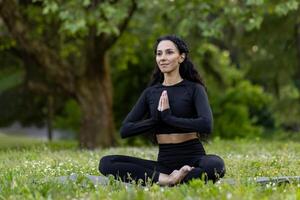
102, 180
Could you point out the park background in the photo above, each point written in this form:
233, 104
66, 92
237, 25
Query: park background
78, 67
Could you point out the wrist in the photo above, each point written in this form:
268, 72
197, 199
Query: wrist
165, 114
156, 115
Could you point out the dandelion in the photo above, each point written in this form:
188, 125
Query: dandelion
228, 195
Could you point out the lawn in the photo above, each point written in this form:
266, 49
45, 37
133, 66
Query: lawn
29, 173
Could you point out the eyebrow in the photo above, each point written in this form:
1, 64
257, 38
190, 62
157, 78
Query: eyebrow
166, 49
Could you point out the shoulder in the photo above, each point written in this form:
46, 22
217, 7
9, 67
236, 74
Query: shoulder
194, 86
197, 90
148, 90
151, 88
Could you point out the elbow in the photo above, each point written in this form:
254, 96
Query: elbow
207, 126
209, 129
123, 132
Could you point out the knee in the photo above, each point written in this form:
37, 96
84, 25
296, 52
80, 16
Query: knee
219, 166
105, 164
214, 167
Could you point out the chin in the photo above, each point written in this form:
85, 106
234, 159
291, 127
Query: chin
166, 70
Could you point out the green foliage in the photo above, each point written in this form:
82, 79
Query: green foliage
6, 43
70, 117
287, 108
233, 111
285, 7
237, 105
21, 105
10, 78
271, 60
77, 17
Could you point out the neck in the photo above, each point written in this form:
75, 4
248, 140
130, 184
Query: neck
172, 79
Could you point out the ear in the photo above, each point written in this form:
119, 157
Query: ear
182, 57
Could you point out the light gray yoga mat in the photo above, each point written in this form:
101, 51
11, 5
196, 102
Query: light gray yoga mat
265, 180
102, 180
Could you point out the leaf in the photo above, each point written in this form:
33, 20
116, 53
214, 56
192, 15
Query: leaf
255, 2
284, 8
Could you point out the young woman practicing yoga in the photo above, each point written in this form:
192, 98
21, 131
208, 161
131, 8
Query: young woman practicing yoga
175, 108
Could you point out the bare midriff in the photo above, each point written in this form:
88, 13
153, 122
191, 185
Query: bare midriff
174, 138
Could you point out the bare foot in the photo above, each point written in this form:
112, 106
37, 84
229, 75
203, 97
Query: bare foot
177, 175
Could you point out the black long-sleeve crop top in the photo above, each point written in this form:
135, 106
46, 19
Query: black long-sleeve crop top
189, 111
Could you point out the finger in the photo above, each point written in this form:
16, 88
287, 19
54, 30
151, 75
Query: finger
167, 100
184, 169
159, 104
190, 168
164, 102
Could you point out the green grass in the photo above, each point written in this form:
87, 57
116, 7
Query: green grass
8, 142
28, 173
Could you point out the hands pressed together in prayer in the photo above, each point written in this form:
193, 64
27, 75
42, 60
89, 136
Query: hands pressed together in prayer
163, 101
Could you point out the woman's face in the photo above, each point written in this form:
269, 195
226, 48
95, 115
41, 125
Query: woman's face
168, 57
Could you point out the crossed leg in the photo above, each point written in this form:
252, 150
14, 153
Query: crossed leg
131, 168
209, 167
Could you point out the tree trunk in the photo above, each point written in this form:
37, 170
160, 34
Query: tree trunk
94, 95
50, 117
297, 36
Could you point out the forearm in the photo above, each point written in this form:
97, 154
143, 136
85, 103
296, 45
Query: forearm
129, 129
200, 124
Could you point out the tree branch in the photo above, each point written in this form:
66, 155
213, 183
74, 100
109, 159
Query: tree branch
107, 41
44, 56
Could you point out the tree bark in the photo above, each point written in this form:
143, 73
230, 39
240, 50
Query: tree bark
94, 94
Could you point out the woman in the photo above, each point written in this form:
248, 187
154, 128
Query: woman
178, 112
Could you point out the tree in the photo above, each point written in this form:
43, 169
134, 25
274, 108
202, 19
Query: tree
69, 41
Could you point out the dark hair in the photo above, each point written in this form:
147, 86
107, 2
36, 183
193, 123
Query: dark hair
187, 69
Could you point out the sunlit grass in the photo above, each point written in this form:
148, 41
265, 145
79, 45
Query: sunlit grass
30, 173
14, 141
9, 142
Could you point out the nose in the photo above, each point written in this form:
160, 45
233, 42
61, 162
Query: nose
162, 57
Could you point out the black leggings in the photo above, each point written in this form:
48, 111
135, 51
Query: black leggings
170, 157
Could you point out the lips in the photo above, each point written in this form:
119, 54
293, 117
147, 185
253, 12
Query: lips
163, 65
